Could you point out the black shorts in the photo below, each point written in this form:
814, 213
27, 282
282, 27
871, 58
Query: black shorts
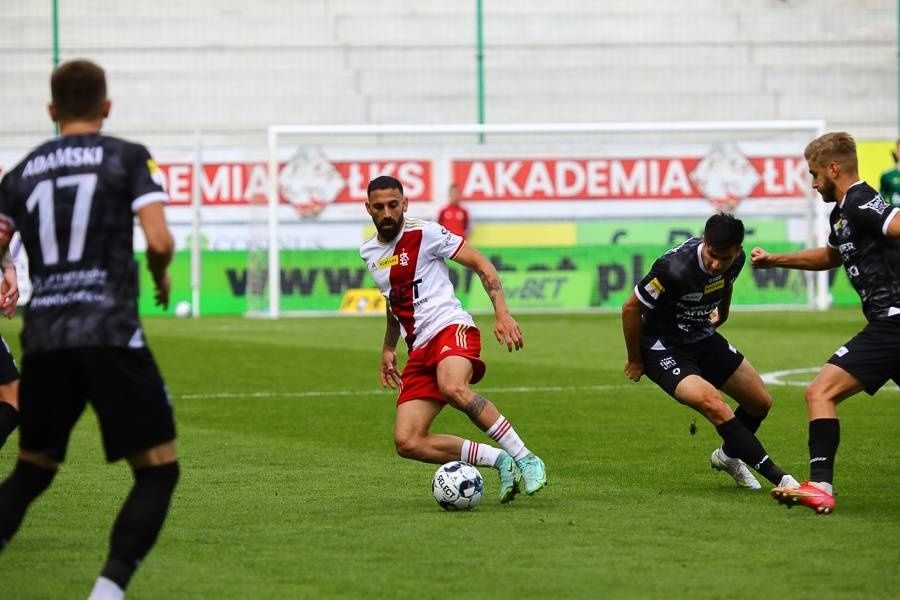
123, 385
713, 359
8, 371
873, 355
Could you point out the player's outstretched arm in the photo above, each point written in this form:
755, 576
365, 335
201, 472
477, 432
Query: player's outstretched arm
506, 330
632, 312
388, 371
811, 259
160, 248
9, 286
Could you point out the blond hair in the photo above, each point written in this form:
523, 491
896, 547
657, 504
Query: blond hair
837, 147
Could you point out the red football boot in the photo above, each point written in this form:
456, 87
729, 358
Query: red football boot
806, 495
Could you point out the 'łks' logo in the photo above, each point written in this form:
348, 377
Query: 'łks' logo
310, 182
404, 258
725, 176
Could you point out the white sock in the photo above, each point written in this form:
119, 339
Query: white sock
504, 434
106, 589
480, 455
824, 486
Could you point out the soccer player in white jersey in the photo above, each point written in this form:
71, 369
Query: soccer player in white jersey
406, 257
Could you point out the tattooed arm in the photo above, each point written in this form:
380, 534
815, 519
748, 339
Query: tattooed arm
506, 330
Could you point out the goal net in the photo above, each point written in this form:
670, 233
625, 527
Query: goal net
571, 214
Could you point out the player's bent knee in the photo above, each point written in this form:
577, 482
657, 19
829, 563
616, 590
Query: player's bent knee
154, 457
816, 396
457, 394
715, 408
407, 447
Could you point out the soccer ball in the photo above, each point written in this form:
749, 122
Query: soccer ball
457, 485
183, 309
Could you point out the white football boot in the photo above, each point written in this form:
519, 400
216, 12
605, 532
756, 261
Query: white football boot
734, 467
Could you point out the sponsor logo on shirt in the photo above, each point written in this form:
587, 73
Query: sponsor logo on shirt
654, 288
388, 262
715, 285
156, 173
877, 204
695, 297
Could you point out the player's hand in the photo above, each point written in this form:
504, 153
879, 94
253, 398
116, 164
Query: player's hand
9, 293
760, 259
508, 332
634, 370
390, 378
161, 295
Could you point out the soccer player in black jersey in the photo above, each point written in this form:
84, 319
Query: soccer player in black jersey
864, 237
73, 199
670, 323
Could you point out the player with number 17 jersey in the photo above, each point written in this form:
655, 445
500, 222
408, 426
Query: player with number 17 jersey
412, 274
69, 189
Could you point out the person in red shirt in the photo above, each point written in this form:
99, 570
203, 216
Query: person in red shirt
453, 217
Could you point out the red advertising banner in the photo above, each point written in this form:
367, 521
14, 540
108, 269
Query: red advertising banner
660, 178
237, 183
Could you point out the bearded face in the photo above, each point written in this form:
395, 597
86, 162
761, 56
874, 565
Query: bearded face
822, 182
386, 207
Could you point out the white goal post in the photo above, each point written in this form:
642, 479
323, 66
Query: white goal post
817, 289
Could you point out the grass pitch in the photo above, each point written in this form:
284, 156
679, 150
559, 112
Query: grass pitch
291, 488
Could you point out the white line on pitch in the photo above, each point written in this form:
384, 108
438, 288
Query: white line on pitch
774, 378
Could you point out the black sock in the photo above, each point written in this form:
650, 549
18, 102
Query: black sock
747, 448
9, 420
824, 437
749, 421
25, 483
139, 521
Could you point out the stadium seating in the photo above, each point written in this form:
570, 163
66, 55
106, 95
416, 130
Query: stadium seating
230, 68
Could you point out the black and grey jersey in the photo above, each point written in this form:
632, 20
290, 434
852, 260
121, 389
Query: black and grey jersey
681, 296
73, 201
871, 259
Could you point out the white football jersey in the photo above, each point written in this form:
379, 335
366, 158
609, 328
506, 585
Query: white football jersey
413, 276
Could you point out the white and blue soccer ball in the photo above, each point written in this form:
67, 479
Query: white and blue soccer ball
457, 485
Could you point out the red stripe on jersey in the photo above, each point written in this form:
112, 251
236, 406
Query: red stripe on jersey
458, 248
404, 287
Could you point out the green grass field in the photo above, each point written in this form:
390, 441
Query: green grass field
291, 488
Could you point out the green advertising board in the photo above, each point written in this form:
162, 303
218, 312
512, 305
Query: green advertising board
540, 289
571, 277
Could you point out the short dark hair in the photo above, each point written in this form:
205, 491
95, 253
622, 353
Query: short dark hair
78, 89
723, 231
384, 182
